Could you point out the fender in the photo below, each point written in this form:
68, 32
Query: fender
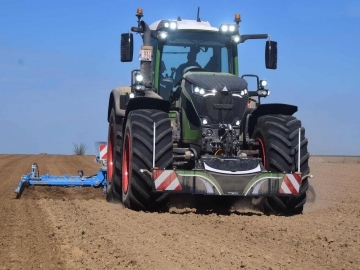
251, 116
148, 101
114, 100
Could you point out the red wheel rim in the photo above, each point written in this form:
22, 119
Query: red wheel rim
126, 164
110, 154
262, 151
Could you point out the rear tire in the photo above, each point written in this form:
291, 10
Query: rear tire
137, 187
277, 136
113, 183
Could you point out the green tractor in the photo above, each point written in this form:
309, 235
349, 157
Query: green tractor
188, 124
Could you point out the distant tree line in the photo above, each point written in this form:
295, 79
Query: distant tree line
79, 149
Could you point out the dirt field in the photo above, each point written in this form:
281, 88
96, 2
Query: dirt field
75, 228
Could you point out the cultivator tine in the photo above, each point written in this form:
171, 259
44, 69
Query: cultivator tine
20, 189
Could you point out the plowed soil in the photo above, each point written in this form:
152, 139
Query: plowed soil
75, 228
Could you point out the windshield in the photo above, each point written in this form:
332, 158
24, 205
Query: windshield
206, 51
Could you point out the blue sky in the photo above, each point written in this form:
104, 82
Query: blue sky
59, 61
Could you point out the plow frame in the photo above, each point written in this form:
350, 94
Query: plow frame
34, 179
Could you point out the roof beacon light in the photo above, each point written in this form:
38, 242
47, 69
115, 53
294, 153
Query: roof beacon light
237, 18
139, 12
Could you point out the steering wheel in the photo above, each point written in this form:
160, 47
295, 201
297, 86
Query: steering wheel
194, 68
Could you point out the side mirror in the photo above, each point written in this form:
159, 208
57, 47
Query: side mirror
271, 55
126, 47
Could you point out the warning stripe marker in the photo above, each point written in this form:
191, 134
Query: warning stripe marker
103, 151
291, 184
166, 180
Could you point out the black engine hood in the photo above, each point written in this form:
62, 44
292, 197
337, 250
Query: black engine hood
211, 80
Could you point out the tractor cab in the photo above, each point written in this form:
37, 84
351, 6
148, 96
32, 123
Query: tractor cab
188, 45
174, 47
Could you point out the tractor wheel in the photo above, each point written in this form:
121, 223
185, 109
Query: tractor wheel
278, 137
113, 187
137, 186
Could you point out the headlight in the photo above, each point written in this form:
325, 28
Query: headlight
139, 78
263, 93
162, 35
240, 94
202, 92
235, 39
263, 83
165, 24
173, 25
228, 28
236, 122
139, 87
224, 28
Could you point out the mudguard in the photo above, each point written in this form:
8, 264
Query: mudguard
123, 105
251, 116
114, 100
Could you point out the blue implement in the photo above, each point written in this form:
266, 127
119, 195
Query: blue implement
33, 178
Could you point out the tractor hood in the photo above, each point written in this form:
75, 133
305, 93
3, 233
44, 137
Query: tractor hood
224, 105
217, 81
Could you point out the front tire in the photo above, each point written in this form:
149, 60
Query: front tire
113, 183
277, 136
137, 186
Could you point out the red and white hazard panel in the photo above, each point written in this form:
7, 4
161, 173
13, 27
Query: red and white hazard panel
291, 184
103, 151
166, 180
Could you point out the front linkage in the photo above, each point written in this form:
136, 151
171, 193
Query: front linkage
225, 175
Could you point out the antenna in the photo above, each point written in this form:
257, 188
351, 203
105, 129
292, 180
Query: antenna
198, 18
